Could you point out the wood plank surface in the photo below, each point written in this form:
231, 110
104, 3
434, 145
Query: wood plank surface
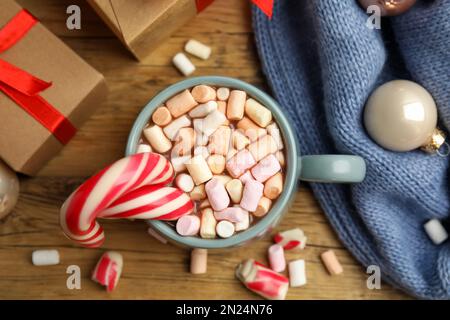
151, 270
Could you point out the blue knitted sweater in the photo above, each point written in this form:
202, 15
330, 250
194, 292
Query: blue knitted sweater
322, 62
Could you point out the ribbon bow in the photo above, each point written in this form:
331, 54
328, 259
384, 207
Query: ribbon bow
24, 88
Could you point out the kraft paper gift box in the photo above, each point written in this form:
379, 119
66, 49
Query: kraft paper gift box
28, 141
142, 25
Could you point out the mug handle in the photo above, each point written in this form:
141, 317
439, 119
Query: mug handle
332, 168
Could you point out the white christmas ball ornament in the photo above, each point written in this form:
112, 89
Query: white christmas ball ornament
9, 190
401, 115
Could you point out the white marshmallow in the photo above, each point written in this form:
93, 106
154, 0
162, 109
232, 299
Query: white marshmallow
223, 94
297, 273
171, 130
212, 122
183, 64
274, 131
244, 224
143, 147
198, 49
184, 182
45, 257
225, 229
202, 110
436, 231
179, 163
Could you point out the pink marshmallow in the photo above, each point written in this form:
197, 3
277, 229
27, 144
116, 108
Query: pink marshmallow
233, 214
266, 168
188, 225
276, 258
246, 176
240, 162
217, 194
253, 192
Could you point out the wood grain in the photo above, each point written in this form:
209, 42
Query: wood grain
152, 270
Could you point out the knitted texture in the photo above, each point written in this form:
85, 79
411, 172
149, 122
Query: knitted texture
322, 62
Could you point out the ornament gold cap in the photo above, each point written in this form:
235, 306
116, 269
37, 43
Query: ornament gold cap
436, 140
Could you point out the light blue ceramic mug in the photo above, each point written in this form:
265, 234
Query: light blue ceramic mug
318, 168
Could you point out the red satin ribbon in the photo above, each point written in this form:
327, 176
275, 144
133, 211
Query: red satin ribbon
23, 88
266, 6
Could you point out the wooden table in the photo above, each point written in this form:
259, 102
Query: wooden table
152, 270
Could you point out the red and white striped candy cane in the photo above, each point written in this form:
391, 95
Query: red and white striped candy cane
293, 239
108, 270
262, 280
131, 188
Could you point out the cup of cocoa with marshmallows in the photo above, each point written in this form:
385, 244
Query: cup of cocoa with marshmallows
235, 153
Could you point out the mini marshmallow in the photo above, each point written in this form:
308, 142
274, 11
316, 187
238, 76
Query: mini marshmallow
258, 113
266, 168
246, 176
276, 258
185, 140
203, 93
236, 104
239, 140
244, 224
199, 170
208, 224
297, 273
45, 257
157, 139
179, 163
217, 195
199, 261
204, 204
181, 103
274, 131
280, 158
202, 110
273, 186
251, 129
216, 163
188, 225
293, 239
232, 214
223, 94
253, 191
231, 153
198, 193
224, 179
201, 138
197, 49
225, 229
331, 262
238, 164
142, 148
161, 116
264, 205
183, 64
201, 150
184, 182
212, 122
222, 107
172, 129
234, 188
263, 147
156, 235
220, 141
436, 231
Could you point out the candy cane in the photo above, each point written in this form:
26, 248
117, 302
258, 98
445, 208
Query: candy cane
293, 239
262, 280
108, 270
131, 188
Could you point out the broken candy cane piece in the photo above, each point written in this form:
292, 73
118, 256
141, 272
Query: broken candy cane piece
108, 270
262, 280
291, 239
